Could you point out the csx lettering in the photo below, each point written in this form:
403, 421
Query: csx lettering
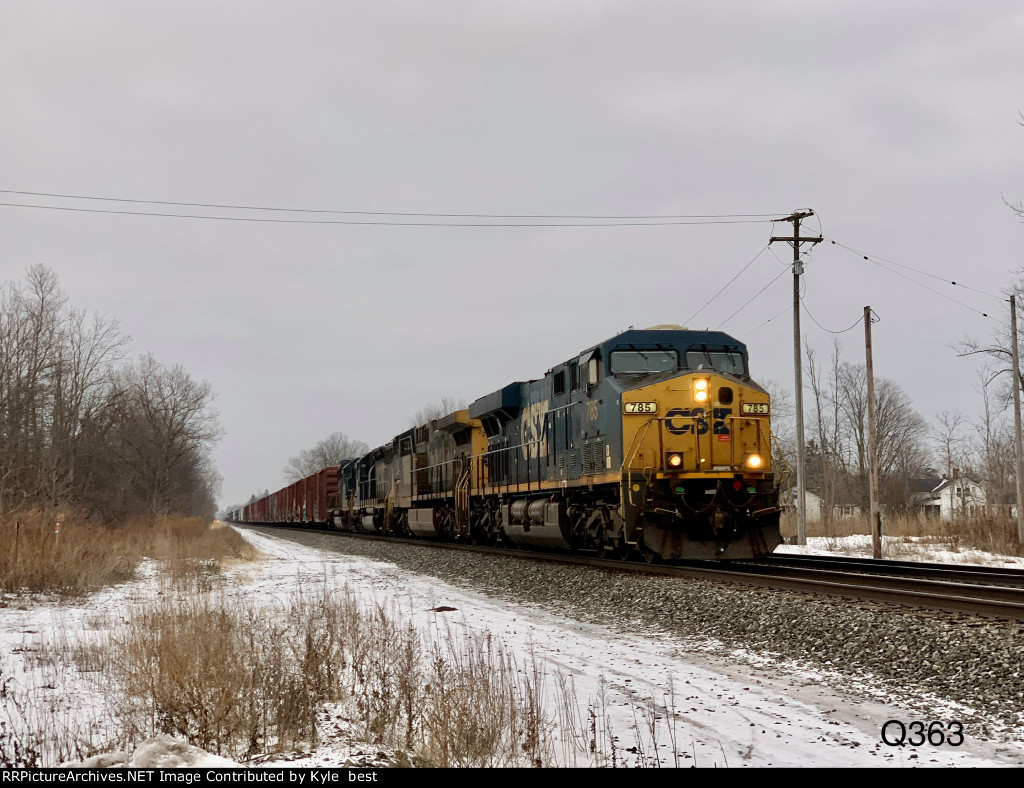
532, 426
698, 420
720, 425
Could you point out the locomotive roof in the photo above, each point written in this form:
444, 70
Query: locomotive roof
679, 338
667, 337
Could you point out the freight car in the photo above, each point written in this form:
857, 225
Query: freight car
654, 442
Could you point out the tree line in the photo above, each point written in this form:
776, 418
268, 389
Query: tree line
912, 451
83, 428
338, 447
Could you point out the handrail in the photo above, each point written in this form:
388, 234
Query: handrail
628, 465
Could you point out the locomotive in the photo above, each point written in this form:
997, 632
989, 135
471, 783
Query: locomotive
655, 442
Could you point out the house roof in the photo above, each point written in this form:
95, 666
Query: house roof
937, 484
925, 484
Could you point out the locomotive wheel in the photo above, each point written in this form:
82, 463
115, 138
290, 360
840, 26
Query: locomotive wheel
622, 550
483, 539
646, 552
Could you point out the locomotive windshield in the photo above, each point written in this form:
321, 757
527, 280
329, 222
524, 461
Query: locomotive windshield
719, 360
643, 362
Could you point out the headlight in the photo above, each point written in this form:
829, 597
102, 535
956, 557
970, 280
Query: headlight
754, 461
674, 461
700, 390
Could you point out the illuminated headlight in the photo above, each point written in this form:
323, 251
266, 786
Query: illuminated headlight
700, 390
674, 460
754, 461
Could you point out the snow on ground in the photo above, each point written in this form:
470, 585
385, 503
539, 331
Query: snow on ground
740, 711
909, 548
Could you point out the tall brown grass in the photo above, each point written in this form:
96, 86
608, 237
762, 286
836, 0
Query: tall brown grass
74, 558
240, 682
980, 532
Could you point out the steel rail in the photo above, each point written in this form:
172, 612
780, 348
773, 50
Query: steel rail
970, 598
961, 573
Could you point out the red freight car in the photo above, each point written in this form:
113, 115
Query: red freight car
308, 500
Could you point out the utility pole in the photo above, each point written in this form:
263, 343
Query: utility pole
876, 514
798, 268
1017, 443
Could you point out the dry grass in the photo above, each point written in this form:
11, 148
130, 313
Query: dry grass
989, 533
75, 558
244, 682
205, 666
240, 682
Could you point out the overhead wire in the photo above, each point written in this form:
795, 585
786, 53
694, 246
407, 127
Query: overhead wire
751, 299
766, 322
803, 305
828, 330
726, 285
429, 215
383, 223
882, 262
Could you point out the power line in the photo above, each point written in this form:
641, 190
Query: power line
766, 322
877, 260
783, 271
385, 213
827, 330
744, 268
371, 223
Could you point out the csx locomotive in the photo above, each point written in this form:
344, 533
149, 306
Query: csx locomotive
654, 442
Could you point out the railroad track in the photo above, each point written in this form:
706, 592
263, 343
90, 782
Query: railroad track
983, 591
958, 573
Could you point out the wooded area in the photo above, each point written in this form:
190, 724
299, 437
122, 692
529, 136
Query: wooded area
83, 429
911, 449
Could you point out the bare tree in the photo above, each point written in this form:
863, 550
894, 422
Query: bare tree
950, 443
160, 430
428, 413
80, 430
332, 450
825, 468
838, 455
991, 444
783, 429
54, 362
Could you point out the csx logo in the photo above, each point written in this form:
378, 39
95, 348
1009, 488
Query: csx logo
696, 419
532, 426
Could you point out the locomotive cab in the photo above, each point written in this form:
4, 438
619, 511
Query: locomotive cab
691, 443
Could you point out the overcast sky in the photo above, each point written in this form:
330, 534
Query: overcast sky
896, 122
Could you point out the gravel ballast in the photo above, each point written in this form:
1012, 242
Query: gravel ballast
920, 657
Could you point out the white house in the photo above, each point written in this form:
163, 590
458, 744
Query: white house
948, 499
813, 503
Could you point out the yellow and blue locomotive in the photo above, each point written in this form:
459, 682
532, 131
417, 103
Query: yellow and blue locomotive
654, 442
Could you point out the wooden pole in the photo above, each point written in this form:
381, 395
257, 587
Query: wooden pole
1017, 443
801, 473
798, 268
876, 515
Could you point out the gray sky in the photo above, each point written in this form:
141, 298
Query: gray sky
897, 123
